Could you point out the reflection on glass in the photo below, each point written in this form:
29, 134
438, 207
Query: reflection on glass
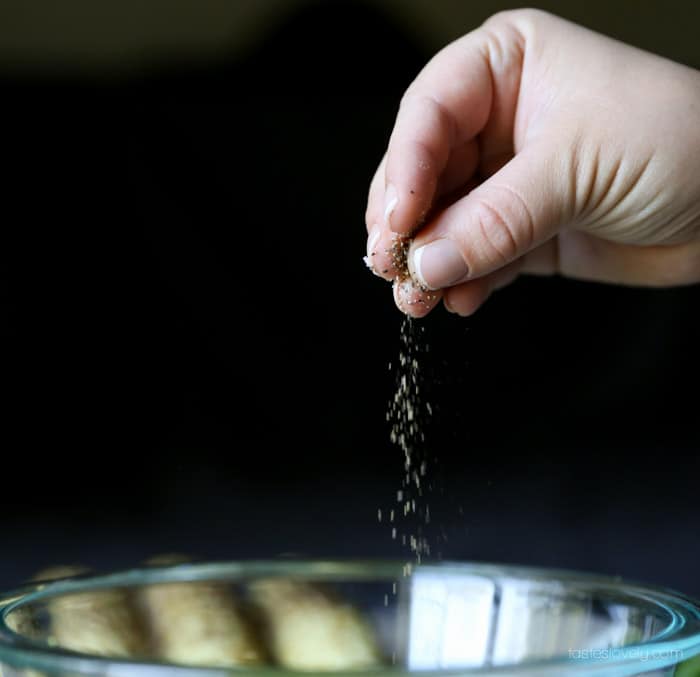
336, 617
459, 620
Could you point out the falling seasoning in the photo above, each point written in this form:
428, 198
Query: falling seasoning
408, 411
407, 415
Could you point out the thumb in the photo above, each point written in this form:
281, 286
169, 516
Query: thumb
518, 208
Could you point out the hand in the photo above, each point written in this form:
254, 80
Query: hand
533, 145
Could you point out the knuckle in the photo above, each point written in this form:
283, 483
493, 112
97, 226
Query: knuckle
430, 110
504, 40
496, 234
521, 15
523, 220
426, 128
521, 22
504, 17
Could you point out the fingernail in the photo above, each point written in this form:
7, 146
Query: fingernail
372, 241
402, 290
438, 264
391, 199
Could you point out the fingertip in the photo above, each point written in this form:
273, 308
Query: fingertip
412, 300
448, 307
377, 258
373, 240
465, 299
400, 217
386, 257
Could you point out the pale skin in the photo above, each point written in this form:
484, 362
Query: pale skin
533, 145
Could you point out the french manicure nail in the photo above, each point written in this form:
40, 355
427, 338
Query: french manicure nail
438, 264
391, 199
372, 241
401, 291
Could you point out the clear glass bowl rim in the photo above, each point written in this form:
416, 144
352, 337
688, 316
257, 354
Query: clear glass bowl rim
682, 634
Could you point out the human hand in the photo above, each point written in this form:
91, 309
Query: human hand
533, 145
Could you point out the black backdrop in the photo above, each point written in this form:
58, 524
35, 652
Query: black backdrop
195, 358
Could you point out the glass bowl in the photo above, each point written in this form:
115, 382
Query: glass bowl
279, 618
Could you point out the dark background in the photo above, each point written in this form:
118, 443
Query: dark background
195, 358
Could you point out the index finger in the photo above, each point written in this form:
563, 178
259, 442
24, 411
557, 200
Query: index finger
447, 105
